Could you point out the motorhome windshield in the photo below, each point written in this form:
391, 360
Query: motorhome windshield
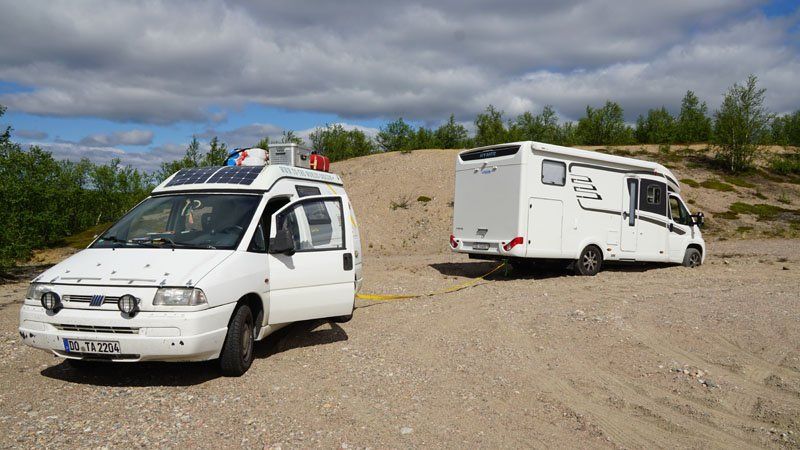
205, 221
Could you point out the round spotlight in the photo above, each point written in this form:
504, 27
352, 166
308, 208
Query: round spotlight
128, 304
51, 301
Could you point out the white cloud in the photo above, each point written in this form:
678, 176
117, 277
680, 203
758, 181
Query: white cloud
130, 137
164, 62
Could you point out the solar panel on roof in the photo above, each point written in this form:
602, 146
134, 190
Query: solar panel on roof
236, 175
197, 175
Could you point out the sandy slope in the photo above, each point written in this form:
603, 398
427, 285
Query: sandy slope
637, 357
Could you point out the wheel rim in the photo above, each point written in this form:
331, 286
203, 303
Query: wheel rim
694, 260
589, 261
247, 342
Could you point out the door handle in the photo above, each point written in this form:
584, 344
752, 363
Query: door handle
671, 226
624, 214
347, 261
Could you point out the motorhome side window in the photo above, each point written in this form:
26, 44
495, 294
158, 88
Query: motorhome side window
305, 191
653, 197
315, 225
554, 172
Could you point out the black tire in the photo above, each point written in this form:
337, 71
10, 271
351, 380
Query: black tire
237, 351
692, 258
589, 262
346, 318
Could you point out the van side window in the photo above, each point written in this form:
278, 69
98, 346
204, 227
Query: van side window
554, 172
653, 197
315, 225
305, 191
260, 241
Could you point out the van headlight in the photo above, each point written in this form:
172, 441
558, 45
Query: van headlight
36, 290
179, 297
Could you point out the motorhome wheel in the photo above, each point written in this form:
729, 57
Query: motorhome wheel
692, 258
589, 262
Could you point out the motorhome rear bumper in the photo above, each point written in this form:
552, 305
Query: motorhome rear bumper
148, 336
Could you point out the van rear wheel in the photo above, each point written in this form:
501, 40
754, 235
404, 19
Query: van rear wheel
692, 258
589, 262
237, 351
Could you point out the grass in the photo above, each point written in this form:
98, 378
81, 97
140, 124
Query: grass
762, 211
729, 215
717, 185
784, 199
85, 237
760, 196
739, 181
690, 182
743, 229
691, 201
401, 203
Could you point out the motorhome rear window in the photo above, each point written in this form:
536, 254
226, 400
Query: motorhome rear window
554, 172
489, 153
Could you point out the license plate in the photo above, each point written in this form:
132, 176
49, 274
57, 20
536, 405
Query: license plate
81, 346
480, 246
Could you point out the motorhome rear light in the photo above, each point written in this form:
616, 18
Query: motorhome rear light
453, 241
513, 243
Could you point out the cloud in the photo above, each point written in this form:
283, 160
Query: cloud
148, 160
166, 62
131, 137
244, 136
30, 134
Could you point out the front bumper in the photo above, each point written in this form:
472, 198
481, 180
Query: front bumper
148, 336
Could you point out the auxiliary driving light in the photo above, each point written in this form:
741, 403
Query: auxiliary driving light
128, 304
51, 301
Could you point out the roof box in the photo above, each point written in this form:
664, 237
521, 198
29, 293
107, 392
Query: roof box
290, 155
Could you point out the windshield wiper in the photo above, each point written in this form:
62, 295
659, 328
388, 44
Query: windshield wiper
174, 244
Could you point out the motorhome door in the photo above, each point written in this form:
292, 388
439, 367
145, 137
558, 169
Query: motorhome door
630, 221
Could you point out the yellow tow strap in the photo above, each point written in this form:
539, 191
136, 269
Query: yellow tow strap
455, 288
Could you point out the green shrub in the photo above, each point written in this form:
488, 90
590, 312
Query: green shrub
783, 198
690, 182
424, 199
739, 181
729, 215
762, 211
785, 164
717, 185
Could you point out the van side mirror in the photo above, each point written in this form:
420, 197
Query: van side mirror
698, 219
282, 243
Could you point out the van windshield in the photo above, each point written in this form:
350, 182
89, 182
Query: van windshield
207, 221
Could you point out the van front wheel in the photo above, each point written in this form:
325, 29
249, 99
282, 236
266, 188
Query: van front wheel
589, 262
237, 351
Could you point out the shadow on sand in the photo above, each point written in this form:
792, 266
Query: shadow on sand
297, 335
536, 271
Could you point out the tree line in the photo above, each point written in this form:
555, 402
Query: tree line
45, 199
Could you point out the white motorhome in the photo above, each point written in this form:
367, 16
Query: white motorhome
530, 200
213, 260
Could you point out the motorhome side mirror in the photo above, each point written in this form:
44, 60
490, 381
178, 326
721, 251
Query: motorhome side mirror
699, 219
282, 242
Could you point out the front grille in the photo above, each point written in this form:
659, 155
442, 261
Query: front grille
97, 329
88, 299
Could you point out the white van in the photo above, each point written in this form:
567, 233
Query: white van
215, 259
528, 200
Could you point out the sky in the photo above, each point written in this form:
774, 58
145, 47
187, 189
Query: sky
137, 80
